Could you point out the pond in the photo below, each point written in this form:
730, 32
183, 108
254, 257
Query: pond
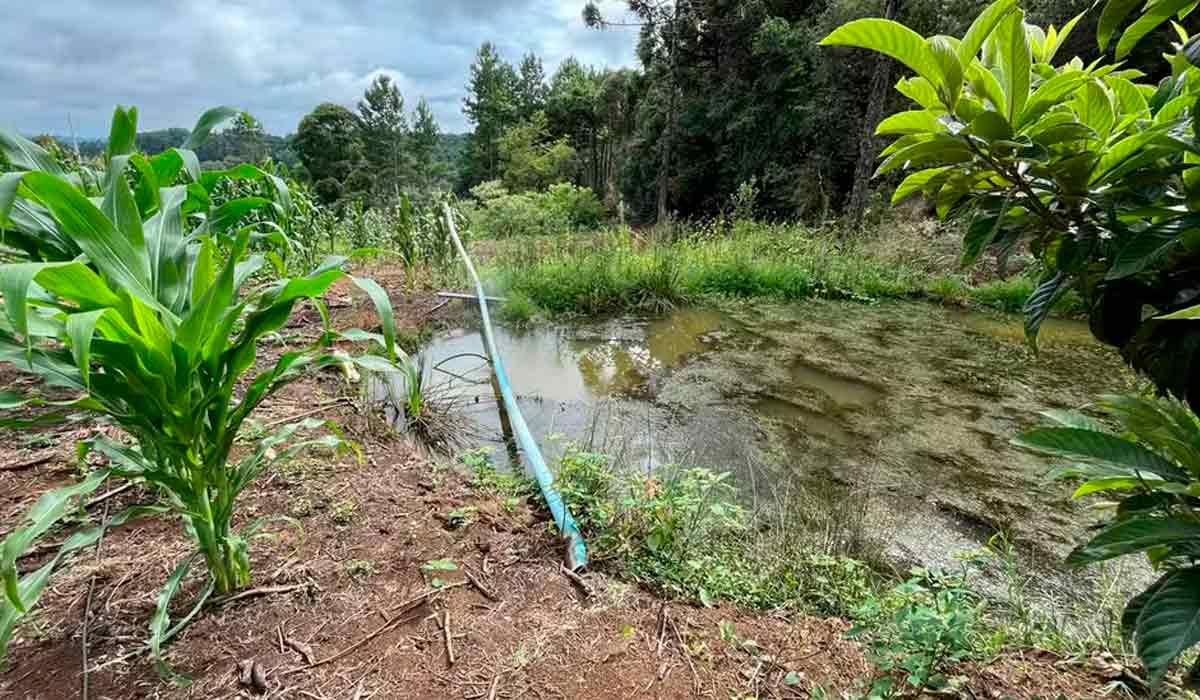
888, 422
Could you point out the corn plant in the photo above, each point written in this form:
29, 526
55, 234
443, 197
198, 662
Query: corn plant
136, 306
1093, 169
1150, 475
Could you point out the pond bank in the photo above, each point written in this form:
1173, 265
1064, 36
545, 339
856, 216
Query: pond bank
882, 429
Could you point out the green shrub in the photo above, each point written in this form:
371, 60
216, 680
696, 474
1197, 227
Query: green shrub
917, 629
559, 209
579, 205
1092, 167
1149, 473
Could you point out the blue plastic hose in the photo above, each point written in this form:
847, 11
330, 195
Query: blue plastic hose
576, 549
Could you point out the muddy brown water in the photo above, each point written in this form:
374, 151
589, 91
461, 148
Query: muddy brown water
895, 417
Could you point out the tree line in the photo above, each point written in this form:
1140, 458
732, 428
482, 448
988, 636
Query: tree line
726, 93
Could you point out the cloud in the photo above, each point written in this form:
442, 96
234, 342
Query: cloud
275, 58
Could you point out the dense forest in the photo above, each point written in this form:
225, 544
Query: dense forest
726, 93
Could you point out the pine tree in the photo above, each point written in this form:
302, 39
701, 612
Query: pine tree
491, 107
385, 136
424, 140
531, 87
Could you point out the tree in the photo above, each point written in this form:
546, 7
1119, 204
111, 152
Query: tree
327, 142
384, 135
530, 159
531, 87
424, 141
868, 145
660, 25
491, 107
571, 110
247, 137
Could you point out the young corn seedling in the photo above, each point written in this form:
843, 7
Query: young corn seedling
136, 303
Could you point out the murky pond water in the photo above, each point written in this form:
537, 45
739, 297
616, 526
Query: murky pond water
900, 412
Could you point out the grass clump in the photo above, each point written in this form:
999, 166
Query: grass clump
615, 270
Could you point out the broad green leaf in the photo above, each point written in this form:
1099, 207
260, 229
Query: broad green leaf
160, 622
15, 279
204, 271
1099, 448
1015, 62
1168, 622
953, 191
1095, 108
76, 282
80, 329
1039, 304
164, 242
9, 183
109, 251
1148, 247
1155, 15
985, 85
207, 122
1063, 133
383, 306
1134, 535
1060, 37
891, 39
1037, 42
122, 136
944, 50
1111, 18
1050, 93
920, 90
979, 236
1122, 151
119, 205
47, 512
375, 363
1130, 99
440, 565
991, 126
916, 182
55, 368
982, 28
1116, 483
24, 154
918, 121
230, 213
941, 149
29, 589
1192, 313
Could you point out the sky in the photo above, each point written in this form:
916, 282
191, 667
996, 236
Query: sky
65, 65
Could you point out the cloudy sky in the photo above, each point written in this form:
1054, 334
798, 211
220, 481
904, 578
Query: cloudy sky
275, 58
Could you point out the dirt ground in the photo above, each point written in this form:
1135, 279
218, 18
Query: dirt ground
347, 606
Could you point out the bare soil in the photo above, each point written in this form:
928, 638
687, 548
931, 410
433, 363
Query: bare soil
345, 606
